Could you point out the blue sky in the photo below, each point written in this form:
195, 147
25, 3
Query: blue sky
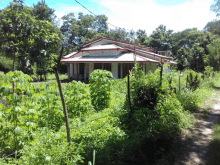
177, 15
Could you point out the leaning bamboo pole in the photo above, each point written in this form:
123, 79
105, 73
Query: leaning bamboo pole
62, 98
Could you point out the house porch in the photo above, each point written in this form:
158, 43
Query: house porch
82, 71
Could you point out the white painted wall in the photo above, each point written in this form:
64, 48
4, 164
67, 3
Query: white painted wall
115, 70
153, 67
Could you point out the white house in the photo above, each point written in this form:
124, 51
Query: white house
115, 56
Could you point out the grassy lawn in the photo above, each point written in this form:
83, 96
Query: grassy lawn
50, 78
38, 84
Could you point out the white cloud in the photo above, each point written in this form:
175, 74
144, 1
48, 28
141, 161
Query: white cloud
145, 14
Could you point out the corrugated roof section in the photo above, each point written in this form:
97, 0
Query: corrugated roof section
108, 46
68, 55
125, 57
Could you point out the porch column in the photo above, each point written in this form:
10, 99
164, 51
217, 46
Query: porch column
71, 70
85, 68
78, 71
68, 71
115, 70
75, 68
91, 68
122, 70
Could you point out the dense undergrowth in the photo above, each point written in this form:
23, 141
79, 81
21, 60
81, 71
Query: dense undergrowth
121, 132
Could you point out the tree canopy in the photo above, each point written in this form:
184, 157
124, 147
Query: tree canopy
27, 39
31, 37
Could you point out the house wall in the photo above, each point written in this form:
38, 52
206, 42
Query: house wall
153, 67
167, 68
89, 68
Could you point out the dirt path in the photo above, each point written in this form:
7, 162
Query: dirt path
195, 149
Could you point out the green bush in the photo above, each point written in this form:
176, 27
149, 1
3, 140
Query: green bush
193, 80
1, 75
50, 148
100, 88
156, 108
190, 100
208, 71
173, 119
77, 98
6, 63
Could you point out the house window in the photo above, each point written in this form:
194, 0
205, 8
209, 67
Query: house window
107, 66
97, 66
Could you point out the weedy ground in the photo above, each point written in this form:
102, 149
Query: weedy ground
200, 144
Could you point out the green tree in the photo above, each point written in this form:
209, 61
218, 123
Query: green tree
213, 58
41, 11
142, 38
196, 58
82, 29
213, 27
27, 40
190, 39
215, 7
119, 34
161, 36
181, 58
47, 45
15, 31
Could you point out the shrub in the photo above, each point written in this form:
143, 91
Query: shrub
193, 80
189, 99
100, 87
173, 119
208, 71
50, 148
1, 75
77, 98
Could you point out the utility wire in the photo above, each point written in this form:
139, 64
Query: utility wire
97, 16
